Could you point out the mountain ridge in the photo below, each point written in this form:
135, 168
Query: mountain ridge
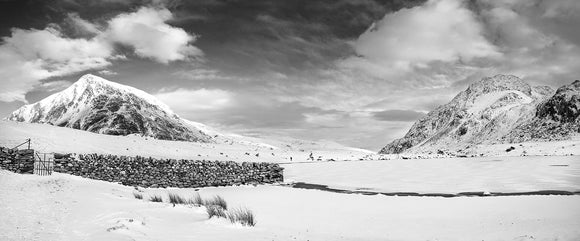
487, 112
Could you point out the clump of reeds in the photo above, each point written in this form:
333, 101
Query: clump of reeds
243, 216
156, 198
217, 200
138, 195
176, 199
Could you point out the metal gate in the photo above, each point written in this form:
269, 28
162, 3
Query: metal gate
44, 164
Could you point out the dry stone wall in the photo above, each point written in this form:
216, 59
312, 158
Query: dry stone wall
19, 161
150, 172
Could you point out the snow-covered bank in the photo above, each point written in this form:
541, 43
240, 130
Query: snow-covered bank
551, 148
62, 207
570, 147
445, 175
48, 138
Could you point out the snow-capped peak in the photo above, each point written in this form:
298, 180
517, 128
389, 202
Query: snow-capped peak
82, 91
98, 84
499, 82
98, 105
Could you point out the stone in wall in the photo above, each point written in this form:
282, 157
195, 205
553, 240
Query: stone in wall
19, 161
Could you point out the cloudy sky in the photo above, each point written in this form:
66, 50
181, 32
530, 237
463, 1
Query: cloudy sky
358, 72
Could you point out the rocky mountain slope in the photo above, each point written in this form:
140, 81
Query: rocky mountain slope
555, 119
495, 109
101, 106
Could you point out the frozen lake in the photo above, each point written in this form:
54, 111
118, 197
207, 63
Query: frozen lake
450, 175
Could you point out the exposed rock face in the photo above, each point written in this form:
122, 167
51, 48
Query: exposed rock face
98, 105
563, 106
486, 111
555, 119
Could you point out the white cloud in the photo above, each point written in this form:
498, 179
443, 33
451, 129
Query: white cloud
49, 45
187, 100
28, 56
18, 74
147, 32
439, 30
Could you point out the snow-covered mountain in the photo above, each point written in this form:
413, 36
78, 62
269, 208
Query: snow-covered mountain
494, 110
97, 105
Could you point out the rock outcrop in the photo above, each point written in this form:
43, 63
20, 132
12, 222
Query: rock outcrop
556, 119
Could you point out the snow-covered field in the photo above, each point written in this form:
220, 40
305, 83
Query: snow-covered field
63, 207
444, 175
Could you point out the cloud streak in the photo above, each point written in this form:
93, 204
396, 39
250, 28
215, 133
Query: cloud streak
397, 115
186, 100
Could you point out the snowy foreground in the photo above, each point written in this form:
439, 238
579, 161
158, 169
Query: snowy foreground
63, 207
